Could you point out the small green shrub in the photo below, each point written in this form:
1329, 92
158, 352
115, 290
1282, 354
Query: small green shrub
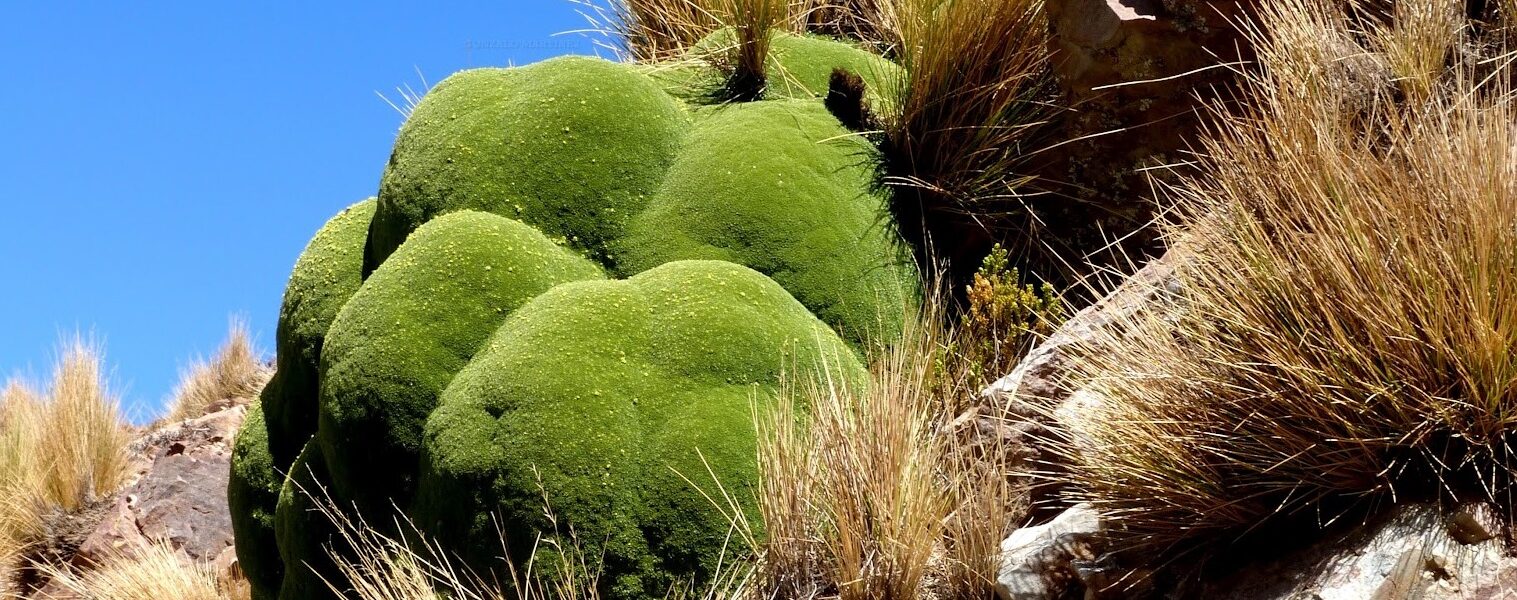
1005, 317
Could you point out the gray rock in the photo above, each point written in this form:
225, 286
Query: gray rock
1038, 562
1414, 553
179, 496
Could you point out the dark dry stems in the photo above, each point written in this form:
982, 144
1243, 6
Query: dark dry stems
959, 120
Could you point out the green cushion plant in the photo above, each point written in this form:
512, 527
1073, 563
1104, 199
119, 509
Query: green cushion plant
576, 285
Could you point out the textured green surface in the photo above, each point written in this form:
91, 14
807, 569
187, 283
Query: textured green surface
604, 393
252, 494
798, 66
485, 350
573, 146
417, 321
305, 534
598, 157
325, 275
781, 186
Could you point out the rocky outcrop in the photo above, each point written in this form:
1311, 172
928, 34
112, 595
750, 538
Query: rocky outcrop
1038, 562
1133, 74
1418, 551
1415, 552
179, 496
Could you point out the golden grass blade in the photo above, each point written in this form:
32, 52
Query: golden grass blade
235, 372
158, 572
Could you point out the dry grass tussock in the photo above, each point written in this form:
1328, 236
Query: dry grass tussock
1346, 337
963, 119
157, 572
873, 494
59, 451
235, 372
662, 30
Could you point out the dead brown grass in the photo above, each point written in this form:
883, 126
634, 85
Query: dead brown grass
59, 451
753, 23
22, 418
662, 30
157, 572
961, 120
235, 372
385, 568
1346, 334
67, 447
656, 30
877, 493
869, 21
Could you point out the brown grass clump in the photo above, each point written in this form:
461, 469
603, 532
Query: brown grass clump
850, 498
753, 23
959, 121
22, 418
235, 372
661, 30
869, 21
877, 492
1345, 336
59, 451
157, 572
73, 442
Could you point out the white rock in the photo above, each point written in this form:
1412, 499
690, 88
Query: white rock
1029, 554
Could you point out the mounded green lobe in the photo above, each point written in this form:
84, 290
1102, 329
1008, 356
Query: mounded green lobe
782, 187
415, 322
602, 392
798, 66
327, 273
304, 532
573, 146
493, 140
252, 494
806, 63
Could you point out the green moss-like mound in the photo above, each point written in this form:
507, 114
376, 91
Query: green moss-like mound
325, 275
583, 149
417, 321
448, 344
252, 494
797, 67
600, 396
783, 188
573, 146
306, 535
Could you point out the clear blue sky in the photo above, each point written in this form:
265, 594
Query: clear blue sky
163, 163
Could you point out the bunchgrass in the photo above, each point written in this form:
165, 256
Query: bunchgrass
653, 30
235, 372
870, 22
959, 122
380, 567
156, 572
1345, 334
848, 490
59, 451
883, 491
753, 23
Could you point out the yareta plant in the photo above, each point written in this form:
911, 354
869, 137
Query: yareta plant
579, 280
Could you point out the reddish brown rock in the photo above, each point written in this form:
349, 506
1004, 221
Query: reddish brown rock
179, 496
1133, 74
